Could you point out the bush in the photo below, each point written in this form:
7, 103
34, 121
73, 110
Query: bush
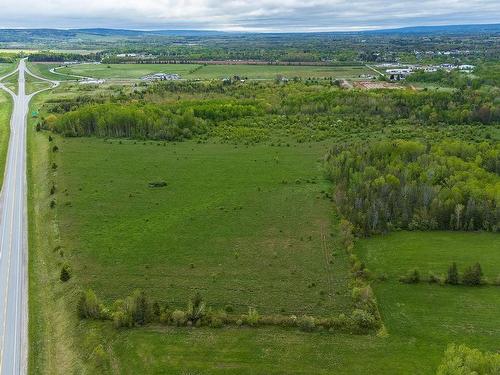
496, 281
88, 306
307, 323
434, 279
461, 359
452, 277
473, 275
412, 277
157, 184
65, 273
252, 319
363, 319
179, 318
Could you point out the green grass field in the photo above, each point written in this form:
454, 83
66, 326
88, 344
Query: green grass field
5, 113
6, 68
429, 312
11, 82
226, 225
33, 84
43, 70
190, 71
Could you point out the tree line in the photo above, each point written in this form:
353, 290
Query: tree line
386, 185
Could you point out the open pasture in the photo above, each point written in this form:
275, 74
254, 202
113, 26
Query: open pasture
193, 71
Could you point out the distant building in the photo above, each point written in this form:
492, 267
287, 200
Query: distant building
467, 68
161, 77
91, 81
398, 74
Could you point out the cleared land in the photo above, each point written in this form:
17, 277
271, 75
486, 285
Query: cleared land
241, 225
193, 71
430, 313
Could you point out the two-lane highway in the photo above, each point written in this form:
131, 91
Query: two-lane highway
13, 240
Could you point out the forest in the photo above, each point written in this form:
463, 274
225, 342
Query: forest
305, 106
387, 185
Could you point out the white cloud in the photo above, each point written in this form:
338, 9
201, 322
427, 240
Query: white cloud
263, 15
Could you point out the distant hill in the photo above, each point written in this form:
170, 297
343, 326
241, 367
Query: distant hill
451, 29
10, 35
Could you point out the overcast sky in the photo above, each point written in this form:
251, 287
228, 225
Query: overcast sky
249, 15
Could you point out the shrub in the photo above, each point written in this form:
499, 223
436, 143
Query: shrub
65, 273
412, 277
363, 319
179, 318
496, 281
464, 360
157, 184
195, 309
307, 323
88, 306
473, 275
252, 319
452, 277
434, 278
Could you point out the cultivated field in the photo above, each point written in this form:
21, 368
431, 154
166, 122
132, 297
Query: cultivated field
192, 71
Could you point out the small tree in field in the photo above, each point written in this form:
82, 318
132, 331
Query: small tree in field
452, 277
473, 275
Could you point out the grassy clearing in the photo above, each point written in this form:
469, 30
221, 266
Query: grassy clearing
33, 84
225, 225
5, 114
432, 313
253, 351
431, 251
12, 82
6, 68
51, 324
43, 70
192, 71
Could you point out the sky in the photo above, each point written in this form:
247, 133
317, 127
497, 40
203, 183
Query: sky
246, 15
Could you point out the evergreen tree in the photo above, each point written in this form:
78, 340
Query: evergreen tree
452, 277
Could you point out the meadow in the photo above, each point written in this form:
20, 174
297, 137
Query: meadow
11, 82
244, 225
5, 113
5, 68
194, 71
34, 84
430, 312
43, 70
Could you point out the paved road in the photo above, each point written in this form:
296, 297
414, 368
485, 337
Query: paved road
13, 240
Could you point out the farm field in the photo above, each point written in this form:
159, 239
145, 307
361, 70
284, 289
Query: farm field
193, 71
430, 312
244, 225
253, 238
